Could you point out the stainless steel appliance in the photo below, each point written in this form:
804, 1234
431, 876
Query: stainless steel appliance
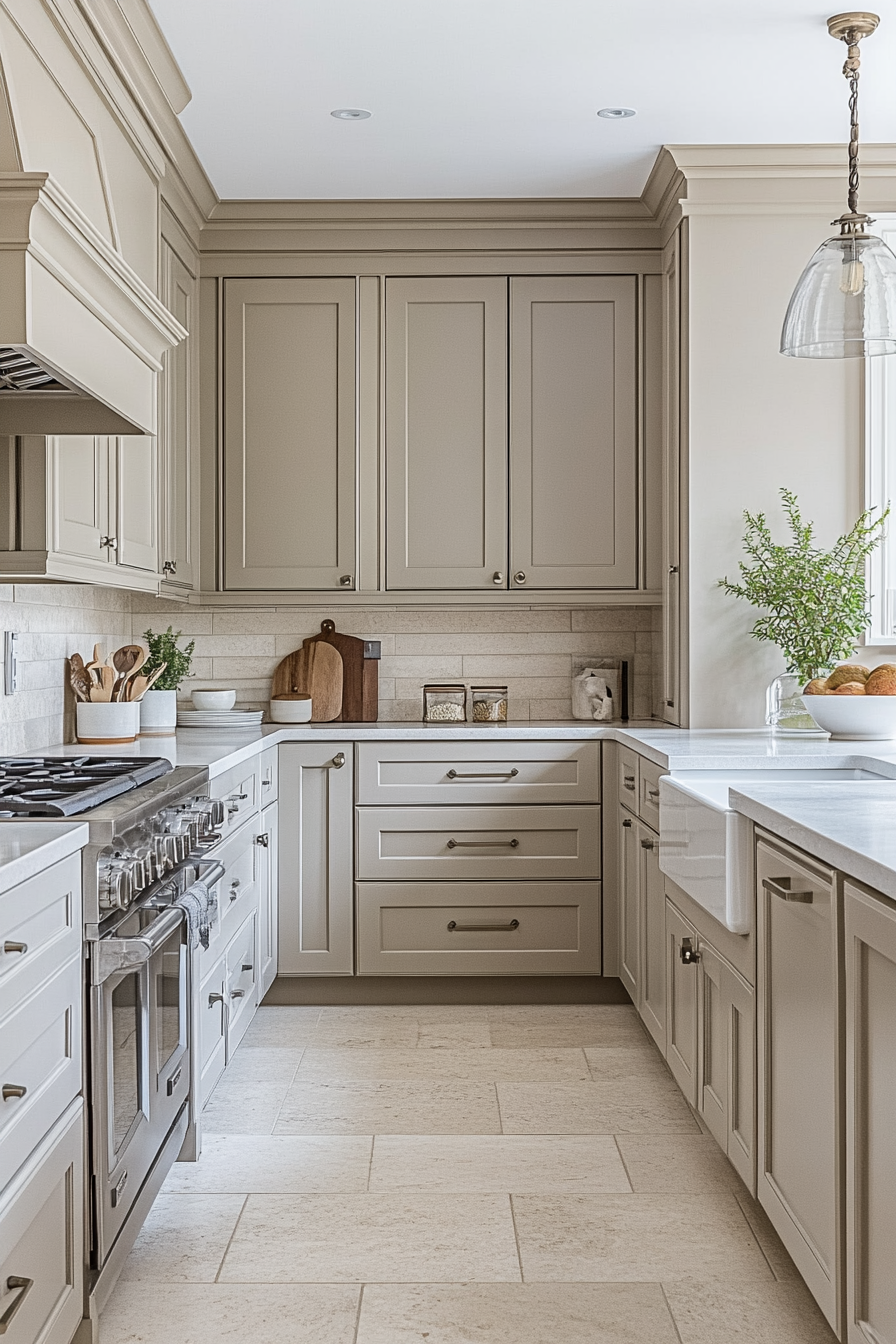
147, 843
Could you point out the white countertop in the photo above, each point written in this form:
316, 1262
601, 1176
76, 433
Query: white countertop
677, 749
28, 847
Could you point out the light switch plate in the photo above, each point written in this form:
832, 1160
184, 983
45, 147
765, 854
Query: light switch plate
10, 663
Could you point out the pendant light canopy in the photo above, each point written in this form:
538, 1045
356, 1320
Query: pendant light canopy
845, 302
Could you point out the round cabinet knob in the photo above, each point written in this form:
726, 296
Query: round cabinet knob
519, 577
345, 581
497, 577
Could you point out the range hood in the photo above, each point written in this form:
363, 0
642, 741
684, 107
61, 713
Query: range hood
81, 335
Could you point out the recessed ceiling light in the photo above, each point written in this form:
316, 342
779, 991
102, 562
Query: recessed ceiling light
611, 113
350, 113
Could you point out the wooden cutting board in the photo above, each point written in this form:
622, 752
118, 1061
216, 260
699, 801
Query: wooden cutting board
316, 670
360, 676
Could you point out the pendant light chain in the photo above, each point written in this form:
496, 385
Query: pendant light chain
851, 71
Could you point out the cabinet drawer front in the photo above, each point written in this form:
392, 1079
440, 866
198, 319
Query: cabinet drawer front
237, 892
241, 990
269, 775
239, 787
649, 793
41, 1238
44, 915
479, 772
478, 928
478, 842
629, 787
40, 1050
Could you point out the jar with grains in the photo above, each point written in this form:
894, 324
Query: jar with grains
444, 704
489, 704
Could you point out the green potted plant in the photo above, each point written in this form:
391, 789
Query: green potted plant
158, 708
814, 602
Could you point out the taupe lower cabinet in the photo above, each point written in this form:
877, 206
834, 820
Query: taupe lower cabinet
289, 434
800, 1134
870, 955
315, 884
553, 506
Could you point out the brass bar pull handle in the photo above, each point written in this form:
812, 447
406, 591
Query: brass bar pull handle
490, 925
338, 760
483, 774
13, 1091
481, 844
13, 1282
20, 948
780, 887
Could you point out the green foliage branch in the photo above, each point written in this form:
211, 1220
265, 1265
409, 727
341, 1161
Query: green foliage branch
163, 649
815, 601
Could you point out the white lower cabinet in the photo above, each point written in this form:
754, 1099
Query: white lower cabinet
870, 958
241, 983
267, 841
210, 1018
799, 1079
315, 896
42, 1238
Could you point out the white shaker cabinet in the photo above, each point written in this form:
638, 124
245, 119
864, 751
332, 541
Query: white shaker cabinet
289, 434
316, 859
799, 1080
870, 957
267, 843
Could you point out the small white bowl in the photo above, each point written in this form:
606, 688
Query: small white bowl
291, 711
213, 699
867, 718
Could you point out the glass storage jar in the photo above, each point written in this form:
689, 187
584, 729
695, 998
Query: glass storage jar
489, 704
444, 704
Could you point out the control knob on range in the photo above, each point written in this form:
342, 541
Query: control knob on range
114, 880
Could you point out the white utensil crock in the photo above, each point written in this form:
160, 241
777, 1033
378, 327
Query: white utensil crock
158, 714
107, 722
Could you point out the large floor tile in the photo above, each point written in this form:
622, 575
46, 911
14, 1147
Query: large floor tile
512, 1163
565, 1025
782, 1266
384, 1238
662, 1164
286, 1027
464, 1065
221, 1313
251, 1164
264, 1064
184, 1239
498, 1313
615, 1062
632, 1105
389, 1108
624, 1238
768, 1313
241, 1106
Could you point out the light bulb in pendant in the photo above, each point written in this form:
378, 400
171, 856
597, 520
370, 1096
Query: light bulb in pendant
852, 277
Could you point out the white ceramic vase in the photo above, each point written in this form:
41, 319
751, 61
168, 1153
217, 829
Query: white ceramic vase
158, 714
107, 721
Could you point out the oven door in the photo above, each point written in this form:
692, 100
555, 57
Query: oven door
140, 1066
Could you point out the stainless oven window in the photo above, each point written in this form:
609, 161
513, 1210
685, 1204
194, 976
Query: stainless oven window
169, 1002
126, 1027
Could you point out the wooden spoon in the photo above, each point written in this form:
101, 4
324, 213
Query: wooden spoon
138, 686
103, 691
80, 680
126, 661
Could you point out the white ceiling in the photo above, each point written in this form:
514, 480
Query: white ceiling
490, 98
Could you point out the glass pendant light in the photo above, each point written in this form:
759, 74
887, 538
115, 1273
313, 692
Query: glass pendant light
845, 302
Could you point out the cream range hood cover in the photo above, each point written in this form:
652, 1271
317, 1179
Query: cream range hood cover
81, 335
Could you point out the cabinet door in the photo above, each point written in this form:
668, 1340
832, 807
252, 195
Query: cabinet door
870, 947
573, 432
712, 1090
134, 501
740, 1003
652, 999
629, 898
289, 434
80, 493
211, 1036
178, 438
799, 1157
674, 373
315, 894
681, 1001
446, 432
267, 842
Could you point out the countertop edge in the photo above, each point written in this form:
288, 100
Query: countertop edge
69, 837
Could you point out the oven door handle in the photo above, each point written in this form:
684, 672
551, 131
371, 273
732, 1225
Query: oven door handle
210, 871
112, 955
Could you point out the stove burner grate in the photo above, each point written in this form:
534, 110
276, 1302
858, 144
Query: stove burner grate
64, 786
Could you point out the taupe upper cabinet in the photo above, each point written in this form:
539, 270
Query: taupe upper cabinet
573, 432
178, 431
289, 434
446, 432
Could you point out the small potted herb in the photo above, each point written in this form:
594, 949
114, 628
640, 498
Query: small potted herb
815, 602
158, 708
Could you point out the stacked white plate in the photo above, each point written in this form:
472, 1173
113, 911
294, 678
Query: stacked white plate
219, 718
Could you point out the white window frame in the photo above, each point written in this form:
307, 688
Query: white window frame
880, 473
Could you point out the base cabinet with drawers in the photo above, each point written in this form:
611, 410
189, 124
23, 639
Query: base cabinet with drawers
478, 858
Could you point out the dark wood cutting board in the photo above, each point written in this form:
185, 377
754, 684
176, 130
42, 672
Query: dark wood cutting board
316, 670
360, 676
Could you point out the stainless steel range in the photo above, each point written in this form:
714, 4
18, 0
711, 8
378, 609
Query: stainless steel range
145, 882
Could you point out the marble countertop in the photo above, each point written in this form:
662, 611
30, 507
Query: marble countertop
28, 847
676, 749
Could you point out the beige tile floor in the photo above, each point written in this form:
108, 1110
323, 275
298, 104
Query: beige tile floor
456, 1175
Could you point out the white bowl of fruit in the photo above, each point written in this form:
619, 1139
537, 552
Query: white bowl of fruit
855, 702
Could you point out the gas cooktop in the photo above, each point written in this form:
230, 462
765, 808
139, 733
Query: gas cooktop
61, 786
